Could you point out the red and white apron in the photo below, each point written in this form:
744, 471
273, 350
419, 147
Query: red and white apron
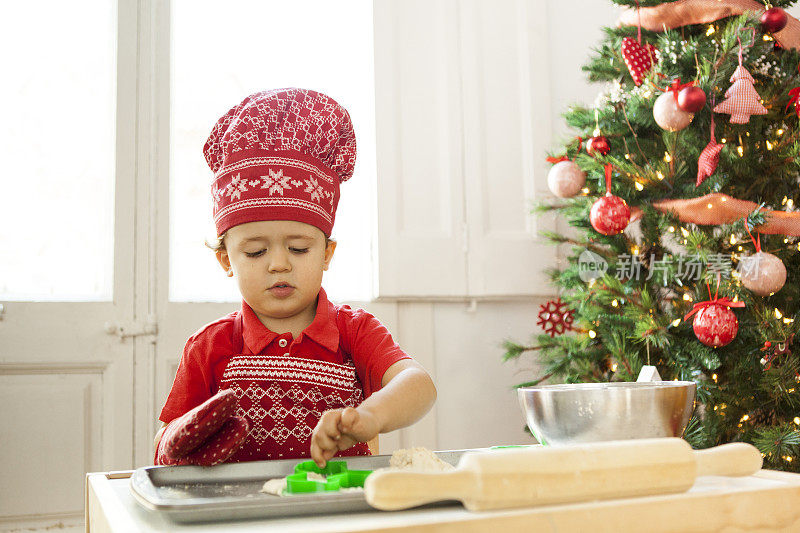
283, 398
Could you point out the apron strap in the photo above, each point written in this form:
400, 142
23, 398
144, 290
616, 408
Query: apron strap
236, 336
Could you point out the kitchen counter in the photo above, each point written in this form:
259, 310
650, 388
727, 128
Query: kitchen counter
766, 501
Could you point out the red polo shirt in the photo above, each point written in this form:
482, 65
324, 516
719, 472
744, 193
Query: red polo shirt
337, 333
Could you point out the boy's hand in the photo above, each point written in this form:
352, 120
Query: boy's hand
340, 429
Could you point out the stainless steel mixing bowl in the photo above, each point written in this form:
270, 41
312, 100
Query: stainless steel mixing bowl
592, 412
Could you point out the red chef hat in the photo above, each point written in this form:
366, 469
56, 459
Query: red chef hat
280, 155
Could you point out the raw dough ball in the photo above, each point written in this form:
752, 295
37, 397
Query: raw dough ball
419, 459
313, 476
274, 486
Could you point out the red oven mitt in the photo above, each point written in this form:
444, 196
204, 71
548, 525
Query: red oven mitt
207, 435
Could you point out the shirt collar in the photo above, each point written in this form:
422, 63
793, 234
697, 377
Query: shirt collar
322, 330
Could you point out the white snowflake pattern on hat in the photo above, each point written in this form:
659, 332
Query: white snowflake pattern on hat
236, 187
216, 194
276, 182
313, 187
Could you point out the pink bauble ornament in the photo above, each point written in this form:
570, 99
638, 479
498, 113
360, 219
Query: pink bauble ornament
762, 273
565, 179
668, 115
773, 19
691, 99
609, 215
715, 325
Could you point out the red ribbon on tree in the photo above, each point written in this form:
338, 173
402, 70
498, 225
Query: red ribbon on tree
794, 99
757, 244
555, 160
727, 302
608, 177
676, 87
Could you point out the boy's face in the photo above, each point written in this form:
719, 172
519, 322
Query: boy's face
278, 266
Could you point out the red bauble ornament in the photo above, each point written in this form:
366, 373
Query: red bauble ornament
691, 99
715, 325
609, 215
555, 318
773, 20
598, 144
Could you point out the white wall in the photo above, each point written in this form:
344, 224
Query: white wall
460, 346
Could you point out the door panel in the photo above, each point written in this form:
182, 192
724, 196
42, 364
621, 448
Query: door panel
66, 384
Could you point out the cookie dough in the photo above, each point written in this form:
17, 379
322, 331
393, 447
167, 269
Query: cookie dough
419, 459
274, 486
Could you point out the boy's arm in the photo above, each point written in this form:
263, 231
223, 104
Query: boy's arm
407, 393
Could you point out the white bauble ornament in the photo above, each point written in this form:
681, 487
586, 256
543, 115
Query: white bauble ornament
668, 115
762, 273
566, 179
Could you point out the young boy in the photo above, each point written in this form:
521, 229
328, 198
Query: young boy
291, 374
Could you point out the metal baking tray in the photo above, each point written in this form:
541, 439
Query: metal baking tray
232, 491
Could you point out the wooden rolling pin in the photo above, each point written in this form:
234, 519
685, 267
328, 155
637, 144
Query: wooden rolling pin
541, 475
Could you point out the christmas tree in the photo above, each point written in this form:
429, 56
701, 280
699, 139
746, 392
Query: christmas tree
680, 187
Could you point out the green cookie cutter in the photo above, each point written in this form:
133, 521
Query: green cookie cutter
336, 473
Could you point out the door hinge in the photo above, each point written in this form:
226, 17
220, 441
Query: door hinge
133, 329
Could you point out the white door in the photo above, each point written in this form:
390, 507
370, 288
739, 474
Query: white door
67, 249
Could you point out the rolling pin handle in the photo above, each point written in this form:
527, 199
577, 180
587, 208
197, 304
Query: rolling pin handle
394, 490
733, 459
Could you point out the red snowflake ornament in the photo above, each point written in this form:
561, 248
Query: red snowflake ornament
555, 318
640, 59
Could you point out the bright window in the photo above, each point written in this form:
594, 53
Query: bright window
224, 51
57, 109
